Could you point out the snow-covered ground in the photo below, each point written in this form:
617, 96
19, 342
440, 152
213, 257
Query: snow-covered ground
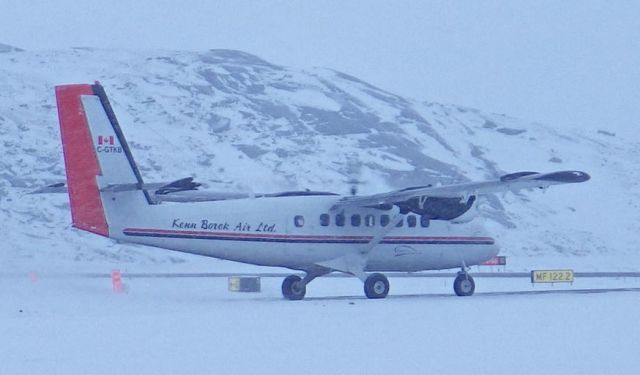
195, 326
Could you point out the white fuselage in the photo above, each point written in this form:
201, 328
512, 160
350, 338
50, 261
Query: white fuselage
263, 231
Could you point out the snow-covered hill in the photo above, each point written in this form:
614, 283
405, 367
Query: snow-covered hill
235, 121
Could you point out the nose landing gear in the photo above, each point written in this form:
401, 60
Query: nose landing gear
464, 285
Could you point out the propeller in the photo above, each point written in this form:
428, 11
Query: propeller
353, 171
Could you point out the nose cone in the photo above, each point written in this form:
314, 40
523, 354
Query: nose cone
494, 250
566, 177
483, 254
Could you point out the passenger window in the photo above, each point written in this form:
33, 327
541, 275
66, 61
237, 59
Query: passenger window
400, 223
411, 221
324, 220
424, 221
384, 220
369, 220
298, 221
355, 220
340, 220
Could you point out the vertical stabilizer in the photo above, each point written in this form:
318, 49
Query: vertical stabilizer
96, 156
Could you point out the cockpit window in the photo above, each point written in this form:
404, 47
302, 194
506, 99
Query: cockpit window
424, 221
411, 221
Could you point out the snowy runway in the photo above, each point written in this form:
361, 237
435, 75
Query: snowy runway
195, 326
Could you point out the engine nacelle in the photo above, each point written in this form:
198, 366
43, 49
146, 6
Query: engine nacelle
436, 208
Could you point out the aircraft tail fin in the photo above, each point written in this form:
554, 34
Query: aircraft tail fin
96, 155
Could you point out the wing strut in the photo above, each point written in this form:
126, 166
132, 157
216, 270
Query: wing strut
366, 249
355, 262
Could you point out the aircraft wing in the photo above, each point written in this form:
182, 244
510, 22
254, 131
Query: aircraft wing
509, 182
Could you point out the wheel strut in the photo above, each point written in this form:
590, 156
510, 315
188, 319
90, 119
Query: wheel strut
294, 288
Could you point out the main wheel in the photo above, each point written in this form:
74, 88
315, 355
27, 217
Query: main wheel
293, 289
464, 285
376, 286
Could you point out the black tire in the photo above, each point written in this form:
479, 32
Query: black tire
376, 286
464, 285
292, 288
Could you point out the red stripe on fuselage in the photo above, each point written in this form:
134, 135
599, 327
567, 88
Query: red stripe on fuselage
80, 160
305, 237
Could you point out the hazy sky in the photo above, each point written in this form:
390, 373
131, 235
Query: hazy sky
567, 63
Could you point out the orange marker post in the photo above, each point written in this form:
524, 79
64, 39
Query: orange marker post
33, 276
116, 280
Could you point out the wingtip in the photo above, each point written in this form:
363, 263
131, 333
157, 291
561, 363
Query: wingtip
565, 177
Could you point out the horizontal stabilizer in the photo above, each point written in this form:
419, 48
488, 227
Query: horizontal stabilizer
183, 190
59, 187
160, 188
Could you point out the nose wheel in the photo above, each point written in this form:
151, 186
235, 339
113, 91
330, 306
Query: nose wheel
464, 285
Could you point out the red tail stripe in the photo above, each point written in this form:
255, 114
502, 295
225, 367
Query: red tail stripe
80, 161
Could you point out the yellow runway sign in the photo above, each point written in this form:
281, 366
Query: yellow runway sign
552, 276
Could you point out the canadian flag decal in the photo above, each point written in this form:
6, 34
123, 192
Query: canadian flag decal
108, 140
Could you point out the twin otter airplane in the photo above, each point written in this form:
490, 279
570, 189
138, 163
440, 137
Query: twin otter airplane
413, 229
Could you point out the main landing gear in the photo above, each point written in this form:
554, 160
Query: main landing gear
376, 286
294, 288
